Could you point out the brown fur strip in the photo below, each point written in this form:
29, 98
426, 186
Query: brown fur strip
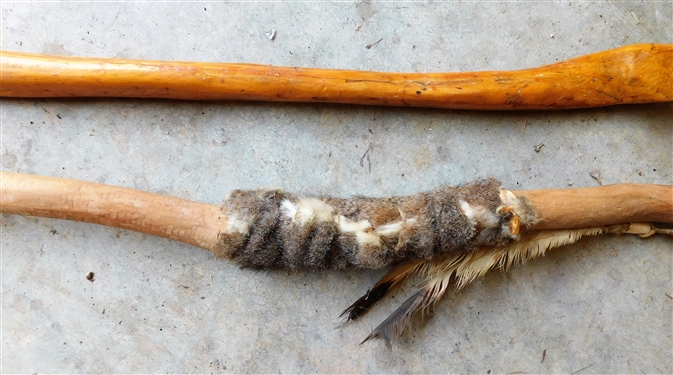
271, 229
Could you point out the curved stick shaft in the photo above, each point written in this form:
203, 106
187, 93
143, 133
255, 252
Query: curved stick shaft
601, 205
632, 74
199, 224
190, 222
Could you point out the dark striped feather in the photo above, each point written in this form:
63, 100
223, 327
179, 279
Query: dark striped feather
400, 320
386, 284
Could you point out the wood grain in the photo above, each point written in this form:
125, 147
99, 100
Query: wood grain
186, 221
601, 205
199, 224
640, 73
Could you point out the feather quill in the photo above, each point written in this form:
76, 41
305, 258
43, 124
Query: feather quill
385, 285
400, 321
461, 269
532, 245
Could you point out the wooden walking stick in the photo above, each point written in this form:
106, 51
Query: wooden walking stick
450, 235
641, 73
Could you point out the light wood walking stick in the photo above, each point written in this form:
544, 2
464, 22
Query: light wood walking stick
641, 73
450, 235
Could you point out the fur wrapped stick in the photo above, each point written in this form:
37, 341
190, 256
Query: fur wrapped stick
452, 234
641, 73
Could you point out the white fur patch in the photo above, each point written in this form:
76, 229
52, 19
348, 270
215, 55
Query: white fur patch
467, 210
508, 198
235, 225
314, 209
505, 230
511, 202
389, 229
307, 210
393, 228
358, 229
288, 209
479, 214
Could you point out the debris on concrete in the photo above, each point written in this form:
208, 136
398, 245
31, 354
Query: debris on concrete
369, 46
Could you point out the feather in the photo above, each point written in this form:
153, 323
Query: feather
386, 284
459, 270
400, 321
468, 267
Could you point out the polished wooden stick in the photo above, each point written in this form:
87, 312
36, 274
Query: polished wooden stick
641, 73
199, 224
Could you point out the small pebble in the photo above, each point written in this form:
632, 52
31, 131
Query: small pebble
570, 183
89, 276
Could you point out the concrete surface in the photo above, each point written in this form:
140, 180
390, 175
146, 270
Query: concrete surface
159, 306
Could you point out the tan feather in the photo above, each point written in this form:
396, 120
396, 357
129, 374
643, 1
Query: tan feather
461, 269
468, 267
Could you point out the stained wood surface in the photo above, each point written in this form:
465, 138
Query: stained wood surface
641, 73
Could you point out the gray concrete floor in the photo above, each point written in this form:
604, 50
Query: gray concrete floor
599, 306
